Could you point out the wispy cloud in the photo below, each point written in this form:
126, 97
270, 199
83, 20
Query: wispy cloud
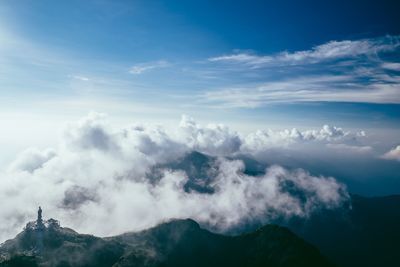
391, 66
360, 71
327, 51
246, 58
144, 67
336, 88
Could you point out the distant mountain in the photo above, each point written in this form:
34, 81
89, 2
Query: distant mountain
176, 243
364, 233
201, 170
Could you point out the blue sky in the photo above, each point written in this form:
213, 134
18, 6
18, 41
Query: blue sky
248, 64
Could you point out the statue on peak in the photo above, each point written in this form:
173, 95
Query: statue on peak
39, 217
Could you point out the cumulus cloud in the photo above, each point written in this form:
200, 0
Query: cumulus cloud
32, 159
89, 132
393, 154
214, 139
264, 140
105, 181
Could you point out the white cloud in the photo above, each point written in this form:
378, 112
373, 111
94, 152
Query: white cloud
32, 159
144, 67
327, 132
327, 51
393, 154
90, 132
331, 88
332, 136
337, 71
391, 66
245, 58
106, 181
214, 139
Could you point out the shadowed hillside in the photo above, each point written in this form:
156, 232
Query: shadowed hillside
176, 243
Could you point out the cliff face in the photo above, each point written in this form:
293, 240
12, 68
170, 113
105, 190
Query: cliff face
177, 243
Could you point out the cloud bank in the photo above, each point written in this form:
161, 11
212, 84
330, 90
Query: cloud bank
105, 181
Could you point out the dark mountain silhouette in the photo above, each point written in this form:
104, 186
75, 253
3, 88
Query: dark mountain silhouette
184, 243
176, 243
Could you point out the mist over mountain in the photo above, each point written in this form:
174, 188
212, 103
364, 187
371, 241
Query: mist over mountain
144, 175
105, 181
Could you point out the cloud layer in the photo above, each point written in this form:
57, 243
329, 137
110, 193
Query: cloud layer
106, 181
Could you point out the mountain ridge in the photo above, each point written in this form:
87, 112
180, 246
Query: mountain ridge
173, 243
